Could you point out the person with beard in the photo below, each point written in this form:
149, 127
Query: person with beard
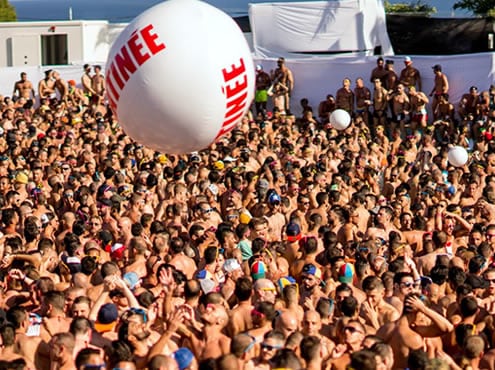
311, 291
135, 331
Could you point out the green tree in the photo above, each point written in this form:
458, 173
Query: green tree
7, 12
478, 7
414, 7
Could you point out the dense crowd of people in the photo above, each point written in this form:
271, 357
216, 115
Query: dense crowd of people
286, 244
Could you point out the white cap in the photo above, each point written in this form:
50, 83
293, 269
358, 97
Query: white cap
259, 67
231, 265
407, 59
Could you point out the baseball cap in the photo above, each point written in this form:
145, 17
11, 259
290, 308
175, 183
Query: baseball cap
245, 217
183, 356
346, 273
204, 274
263, 184
231, 265
219, 165
107, 318
407, 59
258, 270
274, 197
293, 232
284, 281
311, 269
207, 285
21, 178
117, 250
103, 189
259, 67
132, 280
213, 188
229, 159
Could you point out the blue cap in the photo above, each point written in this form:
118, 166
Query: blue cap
132, 280
183, 356
274, 197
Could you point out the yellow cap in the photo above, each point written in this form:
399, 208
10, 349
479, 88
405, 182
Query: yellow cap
21, 178
219, 165
245, 217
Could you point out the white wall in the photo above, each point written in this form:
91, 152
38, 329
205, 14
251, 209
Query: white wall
315, 78
95, 41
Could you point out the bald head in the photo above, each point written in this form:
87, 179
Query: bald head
311, 323
228, 362
68, 219
125, 365
263, 284
161, 362
80, 280
286, 322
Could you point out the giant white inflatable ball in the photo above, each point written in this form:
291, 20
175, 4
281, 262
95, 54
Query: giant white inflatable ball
179, 76
457, 156
340, 119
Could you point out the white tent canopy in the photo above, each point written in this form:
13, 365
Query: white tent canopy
319, 27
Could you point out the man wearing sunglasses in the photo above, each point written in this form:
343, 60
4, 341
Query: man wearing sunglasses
272, 342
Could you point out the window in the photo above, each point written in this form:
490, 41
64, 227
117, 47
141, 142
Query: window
54, 50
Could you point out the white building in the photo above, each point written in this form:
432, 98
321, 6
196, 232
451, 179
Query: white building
55, 43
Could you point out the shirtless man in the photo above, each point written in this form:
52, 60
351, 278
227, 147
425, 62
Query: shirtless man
375, 311
240, 316
311, 325
311, 291
354, 333
410, 76
138, 251
26, 346
46, 87
283, 75
24, 88
98, 84
61, 85
405, 334
440, 87
179, 259
418, 100
380, 103
213, 343
400, 107
275, 217
54, 320
87, 82
8, 350
62, 351
385, 225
